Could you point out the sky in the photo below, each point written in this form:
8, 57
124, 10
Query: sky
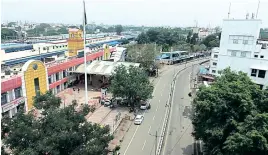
179, 13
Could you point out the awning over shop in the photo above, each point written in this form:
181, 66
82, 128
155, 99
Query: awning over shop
103, 67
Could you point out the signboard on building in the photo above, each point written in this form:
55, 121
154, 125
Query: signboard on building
12, 104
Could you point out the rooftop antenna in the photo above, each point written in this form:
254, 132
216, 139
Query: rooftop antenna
258, 9
229, 10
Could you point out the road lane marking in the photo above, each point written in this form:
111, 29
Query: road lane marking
149, 129
153, 117
131, 139
143, 145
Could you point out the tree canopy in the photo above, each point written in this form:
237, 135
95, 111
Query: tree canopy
132, 83
162, 36
231, 116
144, 54
5, 33
212, 40
176, 39
118, 29
59, 131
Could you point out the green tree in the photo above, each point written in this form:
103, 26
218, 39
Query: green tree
231, 117
189, 36
212, 40
194, 39
59, 131
118, 29
63, 30
143, 54
5, 33
142, 38
132, 83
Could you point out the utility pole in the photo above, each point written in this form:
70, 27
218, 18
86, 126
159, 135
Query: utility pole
156, 142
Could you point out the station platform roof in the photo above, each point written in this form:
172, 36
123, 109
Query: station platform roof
103, 67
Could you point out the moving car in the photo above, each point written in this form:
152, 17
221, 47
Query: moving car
138, 119
145, 105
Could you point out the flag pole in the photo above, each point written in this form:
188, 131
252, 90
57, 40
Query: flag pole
85, 54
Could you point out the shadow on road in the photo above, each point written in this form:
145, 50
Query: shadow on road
188, 150
187, 112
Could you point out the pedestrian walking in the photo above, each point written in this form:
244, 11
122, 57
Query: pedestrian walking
78, 90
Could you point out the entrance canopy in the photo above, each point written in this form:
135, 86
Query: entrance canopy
103, 67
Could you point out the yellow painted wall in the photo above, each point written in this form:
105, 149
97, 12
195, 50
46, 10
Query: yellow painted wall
29, 75
75, 42
106, 54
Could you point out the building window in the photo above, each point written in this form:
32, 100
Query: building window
65, 85
215, 56
261, 73
214, 64
36, 85
233, 53
261, 86
248, 40
261, 56
58, 88
243, 54
49, 79
3, 98
213, 71
64, 73
17, 92
57, 77
245, 42
235, 41
255, 56
254, 72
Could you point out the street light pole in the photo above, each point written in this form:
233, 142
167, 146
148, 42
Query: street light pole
156, 142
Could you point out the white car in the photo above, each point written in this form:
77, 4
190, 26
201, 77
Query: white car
138, 119
145, 106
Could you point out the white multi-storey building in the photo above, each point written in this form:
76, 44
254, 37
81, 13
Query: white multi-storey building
242, 50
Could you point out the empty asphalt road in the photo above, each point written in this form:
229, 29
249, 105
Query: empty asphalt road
141, 139
178, 140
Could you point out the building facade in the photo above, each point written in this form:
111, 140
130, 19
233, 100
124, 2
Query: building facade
242, 50
37, 76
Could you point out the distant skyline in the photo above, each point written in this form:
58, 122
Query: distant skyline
182, 13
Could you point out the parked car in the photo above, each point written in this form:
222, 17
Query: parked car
138, 119
145, 105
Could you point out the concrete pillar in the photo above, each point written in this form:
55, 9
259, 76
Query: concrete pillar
10, 113
13, 94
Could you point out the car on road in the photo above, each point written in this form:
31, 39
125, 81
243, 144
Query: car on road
145, 105
138, 119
